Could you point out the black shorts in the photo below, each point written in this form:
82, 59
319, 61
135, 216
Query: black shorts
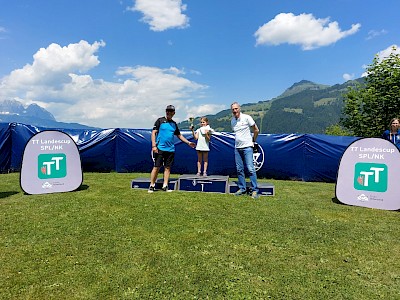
164, 158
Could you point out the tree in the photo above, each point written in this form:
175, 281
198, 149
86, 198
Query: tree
368, 108
337, 130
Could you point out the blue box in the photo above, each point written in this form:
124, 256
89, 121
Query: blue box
264, 189
212, 183
144, 183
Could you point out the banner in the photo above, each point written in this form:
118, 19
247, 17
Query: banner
305, 157
50, 164
369, 174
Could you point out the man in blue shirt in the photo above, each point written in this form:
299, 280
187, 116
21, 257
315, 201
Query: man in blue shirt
163, 147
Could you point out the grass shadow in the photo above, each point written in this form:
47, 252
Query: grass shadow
7, 194
83, 187
336, 201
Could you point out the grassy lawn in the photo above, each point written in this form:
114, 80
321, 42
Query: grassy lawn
108, 241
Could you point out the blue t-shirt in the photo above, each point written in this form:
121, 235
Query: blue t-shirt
167, 129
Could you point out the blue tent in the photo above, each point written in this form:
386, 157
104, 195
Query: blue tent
307, 157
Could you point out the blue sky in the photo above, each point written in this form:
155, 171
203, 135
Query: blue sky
118, 63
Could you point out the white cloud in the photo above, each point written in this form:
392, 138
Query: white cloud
384, 54
162, 14
304, 30
52, 65
2, 30
348, 76
374, 33
55, 81
202, 110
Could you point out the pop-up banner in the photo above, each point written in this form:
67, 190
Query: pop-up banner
369, 173
50, 164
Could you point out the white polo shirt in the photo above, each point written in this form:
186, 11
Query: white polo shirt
241, 128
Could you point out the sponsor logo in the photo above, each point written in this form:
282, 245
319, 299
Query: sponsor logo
362, 198
52, 166
371, 177
266, 193
46, 185
258, 158
195, 182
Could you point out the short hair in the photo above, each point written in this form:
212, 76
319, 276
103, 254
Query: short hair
235, 103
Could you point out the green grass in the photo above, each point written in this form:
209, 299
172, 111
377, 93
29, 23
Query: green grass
293, 110
325, 101
108, 241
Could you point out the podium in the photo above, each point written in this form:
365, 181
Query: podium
144, 183
212, 183
207, 184
264, 189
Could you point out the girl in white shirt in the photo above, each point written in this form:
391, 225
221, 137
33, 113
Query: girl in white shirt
202, 135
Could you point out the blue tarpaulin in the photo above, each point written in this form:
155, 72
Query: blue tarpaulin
307, 157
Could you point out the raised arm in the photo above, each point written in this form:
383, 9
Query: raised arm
195, 134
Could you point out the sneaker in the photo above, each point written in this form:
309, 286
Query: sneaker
255, 195
205, 174
151, 189
165, 189
240, 193
198, 174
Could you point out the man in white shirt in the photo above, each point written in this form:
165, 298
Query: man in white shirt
242, 125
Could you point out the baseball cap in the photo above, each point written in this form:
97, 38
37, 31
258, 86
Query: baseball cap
170, 107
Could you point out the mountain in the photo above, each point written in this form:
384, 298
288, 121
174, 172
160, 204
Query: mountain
305, 107
13, 111
302, 86
13, 107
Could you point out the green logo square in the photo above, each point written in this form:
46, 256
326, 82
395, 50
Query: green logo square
371, 177
52, 166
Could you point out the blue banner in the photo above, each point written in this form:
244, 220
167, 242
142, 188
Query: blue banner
307, 157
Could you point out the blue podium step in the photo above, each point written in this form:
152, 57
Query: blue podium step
194, 183
212, 183
264, 189
144, 183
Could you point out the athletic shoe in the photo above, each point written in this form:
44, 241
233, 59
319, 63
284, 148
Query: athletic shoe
151, 189
165, 188
240, 193
198, 174
255, 195
204, 174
